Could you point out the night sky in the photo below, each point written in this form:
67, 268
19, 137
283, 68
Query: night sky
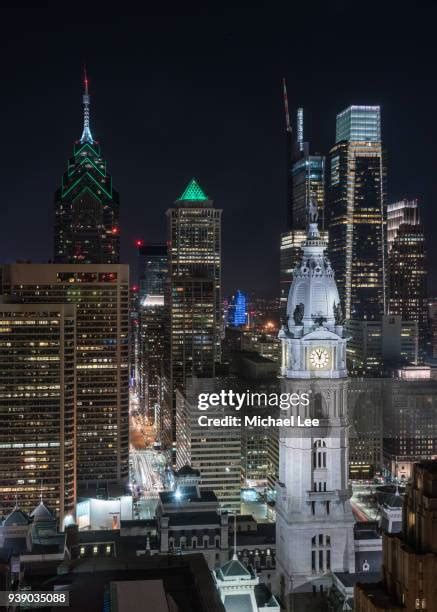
182, 94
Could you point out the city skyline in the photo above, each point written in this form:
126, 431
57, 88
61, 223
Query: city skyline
160, 126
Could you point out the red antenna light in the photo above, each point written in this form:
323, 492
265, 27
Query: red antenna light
139, 243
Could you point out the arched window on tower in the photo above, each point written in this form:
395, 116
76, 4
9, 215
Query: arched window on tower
319, 454
320, 553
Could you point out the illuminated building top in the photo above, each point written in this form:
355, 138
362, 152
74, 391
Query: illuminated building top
193, 192
86, 204
86, 134
359, 124
313, 345
313, 288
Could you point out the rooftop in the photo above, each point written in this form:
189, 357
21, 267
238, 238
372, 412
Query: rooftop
377, 595
234, 569
185, 577
265, 534
187, 494
16, 517
193, 192
350, 580
264, 597
187, 470
194, 518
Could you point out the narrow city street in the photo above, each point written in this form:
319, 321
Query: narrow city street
148, 475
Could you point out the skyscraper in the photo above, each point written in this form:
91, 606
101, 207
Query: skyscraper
308, 174
193, 299
354, 212
86, 205
407, 265
237, 310
152, 269
306, 181
37, 407
100, 294
151, 326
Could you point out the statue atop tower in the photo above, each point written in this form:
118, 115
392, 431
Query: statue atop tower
314, 520
314, 313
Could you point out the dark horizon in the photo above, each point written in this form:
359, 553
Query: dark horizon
200, 95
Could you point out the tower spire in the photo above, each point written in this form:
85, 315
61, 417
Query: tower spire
287, 114
86, 134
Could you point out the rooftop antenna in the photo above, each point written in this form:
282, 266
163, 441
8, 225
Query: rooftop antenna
287, 114
86, 134
300, 128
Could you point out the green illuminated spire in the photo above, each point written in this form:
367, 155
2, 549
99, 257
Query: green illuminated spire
193, 192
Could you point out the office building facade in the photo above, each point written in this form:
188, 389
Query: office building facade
151, 326
193, 294
87, 228
410, 558
410, 420
100, 294
354, 212
407, 265
308, 174
375, 347
37, 407
237, 310
152, 269
214, 451
306, 182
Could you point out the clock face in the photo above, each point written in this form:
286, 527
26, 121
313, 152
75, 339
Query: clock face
319, 358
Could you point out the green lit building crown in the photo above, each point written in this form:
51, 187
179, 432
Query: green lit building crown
86, 205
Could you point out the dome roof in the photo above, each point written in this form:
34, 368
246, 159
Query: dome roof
313, 290
41, 513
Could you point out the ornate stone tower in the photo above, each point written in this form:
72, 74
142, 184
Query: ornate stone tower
314, 529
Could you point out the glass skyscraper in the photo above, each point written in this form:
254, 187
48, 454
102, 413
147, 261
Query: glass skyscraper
355, 213
359, 124
306, 180
237, 312
152, 269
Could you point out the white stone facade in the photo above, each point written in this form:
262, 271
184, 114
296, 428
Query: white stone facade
315, 524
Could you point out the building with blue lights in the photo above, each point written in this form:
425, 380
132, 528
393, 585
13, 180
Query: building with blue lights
237, 311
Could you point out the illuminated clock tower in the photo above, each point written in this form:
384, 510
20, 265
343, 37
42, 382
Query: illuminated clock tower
314, 525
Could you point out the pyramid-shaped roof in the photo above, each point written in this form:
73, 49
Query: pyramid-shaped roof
193, 192
16, 517
234, 569
41, 513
